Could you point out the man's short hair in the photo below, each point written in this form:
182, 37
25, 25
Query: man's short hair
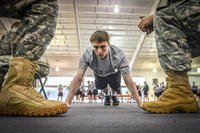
99, 36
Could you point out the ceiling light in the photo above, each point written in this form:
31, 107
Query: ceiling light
110, 27
154, 70
57, 69
116, 9
198, 70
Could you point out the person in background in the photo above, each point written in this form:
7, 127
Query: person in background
110, 93
60, 92
194, 88
139, 90
95, 93
83, 91
90, 90
101, 95
146, 91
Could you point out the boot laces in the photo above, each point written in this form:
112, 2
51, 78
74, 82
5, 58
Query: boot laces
29, 85
36, 94
32, 92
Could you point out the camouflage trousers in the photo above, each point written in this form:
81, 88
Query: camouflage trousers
177, 29
34, 31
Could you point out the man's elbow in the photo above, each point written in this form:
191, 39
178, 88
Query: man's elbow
78, 79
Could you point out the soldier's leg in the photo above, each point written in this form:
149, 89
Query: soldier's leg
175, 57
101, 83
5, 53
32, 35
115, 84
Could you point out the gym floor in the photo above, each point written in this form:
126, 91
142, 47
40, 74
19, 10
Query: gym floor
96, 118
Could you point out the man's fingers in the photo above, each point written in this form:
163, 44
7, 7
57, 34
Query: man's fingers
141, 17
143, 27
139, 25
150, 29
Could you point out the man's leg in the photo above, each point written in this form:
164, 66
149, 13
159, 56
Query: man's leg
115, 100
107, 101
28, 42
101, 83
107, 96
115, 84
175, 57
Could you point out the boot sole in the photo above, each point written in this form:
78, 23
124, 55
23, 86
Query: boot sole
184, 108
107, 104
32, 112
115, 104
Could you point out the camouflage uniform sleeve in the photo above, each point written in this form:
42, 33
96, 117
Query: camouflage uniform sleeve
36, 28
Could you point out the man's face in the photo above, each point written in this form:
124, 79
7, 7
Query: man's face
100, 48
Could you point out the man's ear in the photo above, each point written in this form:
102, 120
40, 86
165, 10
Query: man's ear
92, 43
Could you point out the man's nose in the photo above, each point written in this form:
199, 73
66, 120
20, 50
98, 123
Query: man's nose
99, 50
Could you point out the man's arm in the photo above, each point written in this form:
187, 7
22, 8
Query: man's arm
74, 86
132, 88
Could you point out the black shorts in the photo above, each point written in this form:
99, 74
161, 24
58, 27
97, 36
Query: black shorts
78, 92
60, 94
95, 92
89, 93
194, 91
146, 93
114, 81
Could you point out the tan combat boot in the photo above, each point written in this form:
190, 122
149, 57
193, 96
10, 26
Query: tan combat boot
178, 96
18, 97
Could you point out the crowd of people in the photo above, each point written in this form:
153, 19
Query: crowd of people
158, 90
90, 94
196, 90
